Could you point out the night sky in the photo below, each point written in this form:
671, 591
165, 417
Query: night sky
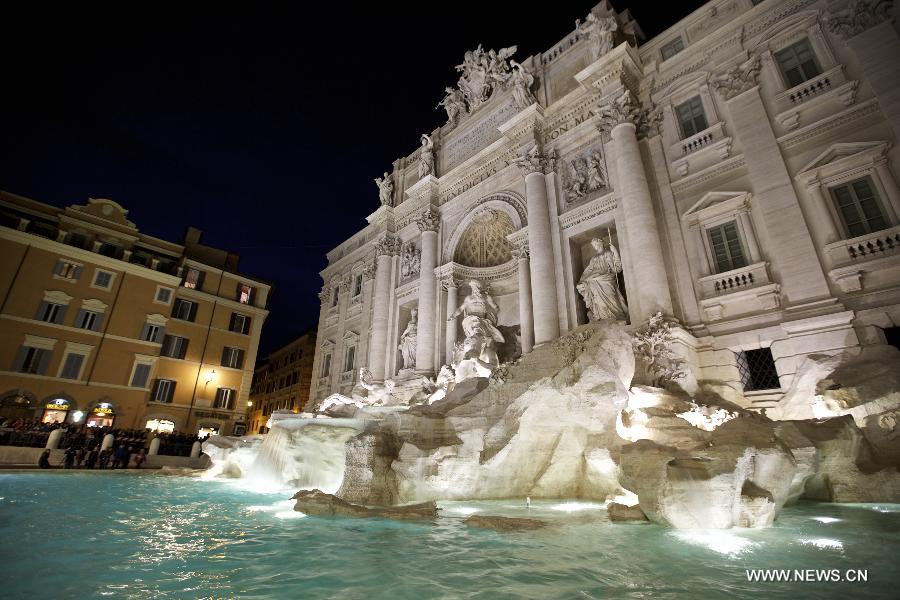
263, 128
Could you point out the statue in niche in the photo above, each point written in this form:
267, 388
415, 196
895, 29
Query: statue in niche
522, 80
455, 105
410, 261
426, 157
476, 356
407, 345
385, 189
599, 284
600, 31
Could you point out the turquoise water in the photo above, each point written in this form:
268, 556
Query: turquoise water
130, 535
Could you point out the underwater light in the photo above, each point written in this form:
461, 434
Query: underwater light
826, 519
717, 541
824, 543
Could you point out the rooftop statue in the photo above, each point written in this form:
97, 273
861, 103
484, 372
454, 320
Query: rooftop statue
455, 105
600, 31
426, 157
482, 73
522, 80
385, 189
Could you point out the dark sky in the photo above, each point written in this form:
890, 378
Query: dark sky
264, 128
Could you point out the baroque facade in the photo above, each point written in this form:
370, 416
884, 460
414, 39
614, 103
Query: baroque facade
736, 173
108, 326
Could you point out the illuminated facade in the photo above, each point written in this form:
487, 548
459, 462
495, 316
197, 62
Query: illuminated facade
282, 381
104, 324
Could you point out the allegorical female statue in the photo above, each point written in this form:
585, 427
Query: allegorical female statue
407, 345
599, 285
426, 157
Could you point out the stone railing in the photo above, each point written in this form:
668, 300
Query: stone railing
735, 280
865, 247
698, 141
557, 51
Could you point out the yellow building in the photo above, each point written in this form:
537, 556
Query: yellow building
103, 324
282, 381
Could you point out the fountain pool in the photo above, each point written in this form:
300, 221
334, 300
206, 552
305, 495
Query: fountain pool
142, 535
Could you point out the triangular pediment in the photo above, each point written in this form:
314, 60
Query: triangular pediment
713, 202
843, 150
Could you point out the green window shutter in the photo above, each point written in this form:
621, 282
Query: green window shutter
19, 361
44, 362
61, 315
42, 309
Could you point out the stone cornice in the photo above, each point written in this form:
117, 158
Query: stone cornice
619, 67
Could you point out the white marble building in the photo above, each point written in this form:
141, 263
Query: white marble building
742, 162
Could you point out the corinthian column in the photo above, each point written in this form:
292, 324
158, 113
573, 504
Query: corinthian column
428, 224
450, 284
621, 118
385, 250
526, 314
541, 264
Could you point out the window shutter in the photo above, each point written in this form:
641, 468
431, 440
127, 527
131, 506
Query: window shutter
240, 359
145, 331
155, 390
252, 296
19, 362
42, 308
200, 277
166, 349
231, 324
246, 327
79, 317
170, 394
193, 313
98, 322
225, 356
44, 362
161, 334
61, 315
77, 274
184, 346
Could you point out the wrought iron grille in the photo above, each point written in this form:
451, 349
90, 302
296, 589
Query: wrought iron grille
757, 369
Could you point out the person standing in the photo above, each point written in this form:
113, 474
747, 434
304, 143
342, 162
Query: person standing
69, 457
139, 459
44, 460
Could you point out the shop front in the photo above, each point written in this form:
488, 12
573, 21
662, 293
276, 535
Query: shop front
102, 415
56, 410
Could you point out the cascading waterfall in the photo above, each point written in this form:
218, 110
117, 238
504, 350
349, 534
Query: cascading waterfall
297, 453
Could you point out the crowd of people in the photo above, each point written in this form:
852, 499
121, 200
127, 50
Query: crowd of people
83, 444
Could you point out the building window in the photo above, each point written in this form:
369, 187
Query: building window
32, 360
225, 398
193, 279
858, 207
67, 270
163, 295
50, 312
239, 323
757, 369
691, 117
184, 310
87, 319
232, 357
102, 279
357, 285
151, 333
141, 374
71, 367
326, 366
672, 48
111, 250
725, 244
174, 346
163, 391
797, 63
335, 297
244, 293
350, 358
79, 240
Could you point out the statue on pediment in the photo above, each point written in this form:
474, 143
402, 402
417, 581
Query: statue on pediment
426, 157
600, 31
385, 189
455, 105
522, 81
482, 73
